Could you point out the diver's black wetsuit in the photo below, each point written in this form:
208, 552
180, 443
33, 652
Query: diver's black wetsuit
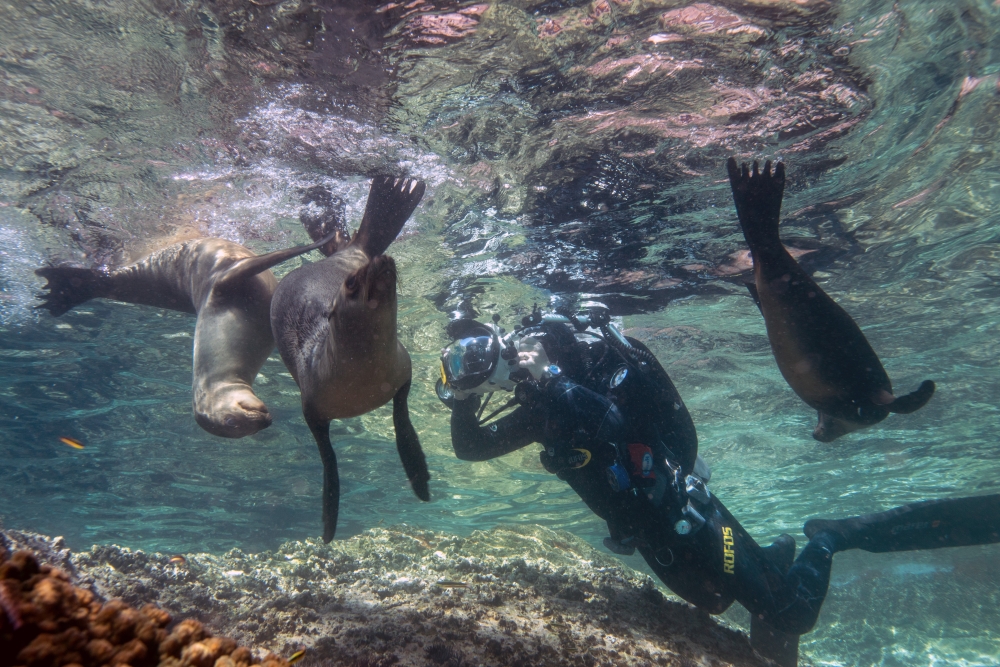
588, 423
712, 566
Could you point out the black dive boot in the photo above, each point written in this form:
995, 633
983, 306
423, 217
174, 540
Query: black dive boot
775, 645
932, 524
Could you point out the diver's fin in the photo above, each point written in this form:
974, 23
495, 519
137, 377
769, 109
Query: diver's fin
390, 203
931, 524
912, 402
251, 266
752, 288
331, 479
775, 645
70, 286
757, 196
408, 445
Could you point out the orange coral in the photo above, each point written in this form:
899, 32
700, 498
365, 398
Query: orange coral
46, 621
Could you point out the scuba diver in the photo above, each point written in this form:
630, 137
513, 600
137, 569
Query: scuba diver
613, 426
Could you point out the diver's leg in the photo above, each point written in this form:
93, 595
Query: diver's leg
331, 479
780, 647
931, 524
784, 602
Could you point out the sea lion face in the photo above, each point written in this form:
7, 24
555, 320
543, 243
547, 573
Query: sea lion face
231, 412
366, 304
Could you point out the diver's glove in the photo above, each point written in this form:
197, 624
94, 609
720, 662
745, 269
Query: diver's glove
449, 396
622, 547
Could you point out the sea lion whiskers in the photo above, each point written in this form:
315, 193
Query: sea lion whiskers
230, 410
379, 275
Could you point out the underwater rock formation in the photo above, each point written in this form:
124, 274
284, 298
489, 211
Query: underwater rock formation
46, 621
509, 596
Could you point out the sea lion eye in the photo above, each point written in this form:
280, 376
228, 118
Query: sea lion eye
351, 283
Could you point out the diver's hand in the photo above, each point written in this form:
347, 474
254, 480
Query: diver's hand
459, 395
449, 395
531, 356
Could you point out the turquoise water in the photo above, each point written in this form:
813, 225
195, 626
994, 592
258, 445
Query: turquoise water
570, 149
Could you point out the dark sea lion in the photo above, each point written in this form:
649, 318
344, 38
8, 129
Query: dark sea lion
228, 287
335, 325
820, 350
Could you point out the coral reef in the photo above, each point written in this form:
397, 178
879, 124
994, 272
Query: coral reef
46, 621
520, 595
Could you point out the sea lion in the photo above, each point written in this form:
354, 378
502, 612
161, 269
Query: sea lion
335, 325
820, 350
228, 287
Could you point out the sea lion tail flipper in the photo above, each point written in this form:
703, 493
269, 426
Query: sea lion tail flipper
390, 203
757, 196
752, 288
331, 479
251, 266
408, 445
70, 286
913, 401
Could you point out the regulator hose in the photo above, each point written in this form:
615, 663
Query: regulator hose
614, 338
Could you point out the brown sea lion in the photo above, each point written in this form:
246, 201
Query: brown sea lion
820, 350
335, 325
228, 287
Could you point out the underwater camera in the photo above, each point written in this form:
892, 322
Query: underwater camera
483, 358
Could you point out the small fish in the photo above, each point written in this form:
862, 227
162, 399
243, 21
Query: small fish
295, 657
452, 584
72, 442
178, 560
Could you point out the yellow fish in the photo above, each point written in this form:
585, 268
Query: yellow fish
72, 442
178, 560
452, 584
295, 657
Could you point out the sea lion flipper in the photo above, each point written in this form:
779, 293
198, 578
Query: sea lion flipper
331, 479
752, 288
913, 401
757, 195
70, 286
408, 445
390, 203
251, 266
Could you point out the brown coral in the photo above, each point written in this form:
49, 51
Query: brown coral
48, 622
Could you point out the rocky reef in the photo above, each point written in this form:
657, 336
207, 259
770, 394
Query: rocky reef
402, 596
46, 621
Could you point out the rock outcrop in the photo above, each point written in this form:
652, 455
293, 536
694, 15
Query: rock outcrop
402, 596
46, 621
